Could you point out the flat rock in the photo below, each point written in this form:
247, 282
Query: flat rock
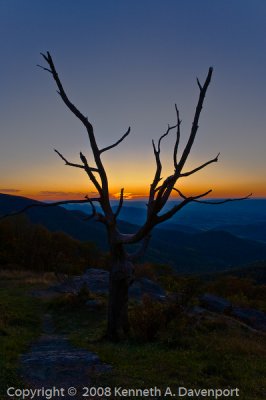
252, 317
215, 303
97, 281
53, 361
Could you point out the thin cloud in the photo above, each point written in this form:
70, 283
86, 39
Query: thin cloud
10, 190
128, 196
59, 193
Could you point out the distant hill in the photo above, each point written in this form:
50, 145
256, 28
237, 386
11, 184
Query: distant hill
56, 219
205, 251
188, 250
255, 231
255, 271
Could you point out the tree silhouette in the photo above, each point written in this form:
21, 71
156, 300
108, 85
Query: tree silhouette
122, 269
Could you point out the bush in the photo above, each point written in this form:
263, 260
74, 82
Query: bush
152, 317
147, 319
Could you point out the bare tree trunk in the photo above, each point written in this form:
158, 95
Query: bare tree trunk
121, 276
159, 194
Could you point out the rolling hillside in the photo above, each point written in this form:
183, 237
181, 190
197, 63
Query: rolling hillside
188, 250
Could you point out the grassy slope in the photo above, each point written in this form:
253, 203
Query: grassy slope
214, 354
20, 321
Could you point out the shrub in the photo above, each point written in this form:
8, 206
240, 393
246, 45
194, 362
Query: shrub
151, 317
147, 319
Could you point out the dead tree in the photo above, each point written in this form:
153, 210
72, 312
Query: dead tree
122, 270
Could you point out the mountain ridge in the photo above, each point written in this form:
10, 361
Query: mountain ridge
188, 252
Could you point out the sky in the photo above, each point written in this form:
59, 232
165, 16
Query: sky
126, 63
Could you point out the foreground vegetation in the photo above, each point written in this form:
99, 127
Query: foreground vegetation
212, 352
167, 347
20, 320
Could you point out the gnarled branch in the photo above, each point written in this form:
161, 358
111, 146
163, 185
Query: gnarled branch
157, 175
203, 90
200, 167
212, 202
103, 188
120, 203
116, 143
177, 138
67, 162
167, 215
89, 172
57, 203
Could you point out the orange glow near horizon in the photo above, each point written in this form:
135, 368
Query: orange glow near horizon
140, 192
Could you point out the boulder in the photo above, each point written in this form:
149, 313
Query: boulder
252, 317
97, 281
215, 303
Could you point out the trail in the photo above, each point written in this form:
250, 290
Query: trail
53, 362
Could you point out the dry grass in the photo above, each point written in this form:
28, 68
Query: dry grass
28, 277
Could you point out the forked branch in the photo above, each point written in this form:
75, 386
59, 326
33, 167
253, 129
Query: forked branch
167, 215
157, 176
70, 163
212, 202
103, 188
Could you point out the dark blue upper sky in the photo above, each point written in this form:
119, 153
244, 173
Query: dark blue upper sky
126, 63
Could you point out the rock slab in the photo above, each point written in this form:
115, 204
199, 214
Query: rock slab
53, 362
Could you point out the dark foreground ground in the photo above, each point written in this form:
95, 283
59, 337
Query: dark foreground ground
188, 350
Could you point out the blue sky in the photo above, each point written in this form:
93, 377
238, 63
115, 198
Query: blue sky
126, 63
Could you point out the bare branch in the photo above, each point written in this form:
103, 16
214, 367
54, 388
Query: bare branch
177, 138
89, 171
157, 175
203, 90
120, 203
224, 201
57, 203
211, 202
200, 167
199, 85
92, 215
67, 162
116, 143
45, 69
170, 213
169, 128
61, 90
103, 189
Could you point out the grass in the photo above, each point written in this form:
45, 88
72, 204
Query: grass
209, 353
20, 321
215, 354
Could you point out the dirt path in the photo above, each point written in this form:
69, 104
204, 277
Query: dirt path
53, 362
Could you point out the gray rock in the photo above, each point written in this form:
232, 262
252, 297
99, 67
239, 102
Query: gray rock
215, 303
148, 287
252, 317
97, 281
53, 361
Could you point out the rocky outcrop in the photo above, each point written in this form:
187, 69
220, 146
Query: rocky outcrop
252, 317
97, 281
